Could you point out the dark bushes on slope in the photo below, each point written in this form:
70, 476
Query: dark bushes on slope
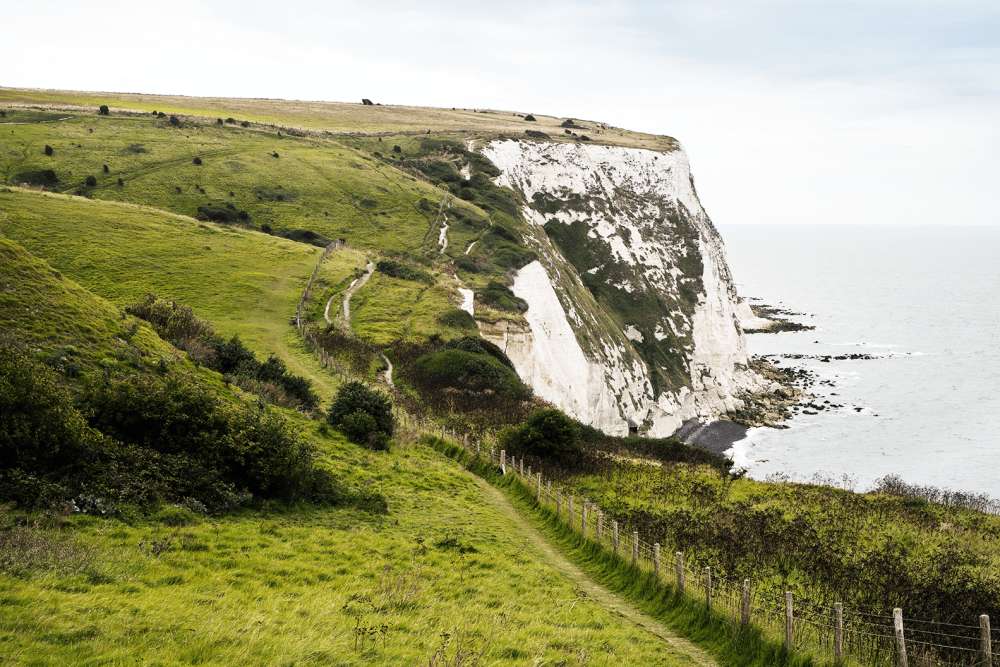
548, 433
224, 213
467, 372
363, 415
270, 380
45, 178
143, 440
391, 267
496, 295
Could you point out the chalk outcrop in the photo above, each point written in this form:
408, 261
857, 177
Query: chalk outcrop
632, 313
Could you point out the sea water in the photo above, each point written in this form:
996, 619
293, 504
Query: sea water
925, 302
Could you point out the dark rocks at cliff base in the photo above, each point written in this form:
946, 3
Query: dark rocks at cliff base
716, 436
779, 318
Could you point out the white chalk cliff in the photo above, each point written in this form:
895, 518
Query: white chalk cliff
632, 313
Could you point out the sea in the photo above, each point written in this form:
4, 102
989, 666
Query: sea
921, 305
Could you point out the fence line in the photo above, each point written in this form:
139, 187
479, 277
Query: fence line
834, 632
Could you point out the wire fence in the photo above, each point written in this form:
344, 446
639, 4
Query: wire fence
836, 633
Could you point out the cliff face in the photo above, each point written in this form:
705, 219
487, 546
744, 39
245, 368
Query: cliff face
632, 311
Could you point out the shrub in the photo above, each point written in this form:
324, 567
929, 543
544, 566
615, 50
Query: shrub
271, 379
121, 182
459, 370
396, 149
402, 271
363, 415
196, 160
529, 117
39, 177
245, 123
275, 155
536, 134
175, 121
225, 213
103, 110
480, 346
497, 295
547, 433
367, 102
218, 121
48, 150
106, 169
90, 181
457, 318
305, 236
231, 121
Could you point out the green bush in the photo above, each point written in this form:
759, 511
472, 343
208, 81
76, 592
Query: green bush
270, 380
497, 295
470, 372
90, 181
547, 433
143, 440
391, 267
363, 415
103, 110
457, 318
45, 178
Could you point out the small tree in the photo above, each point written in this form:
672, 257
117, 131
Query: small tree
48, 150
196, 161
103, 110
90, 181
107, 170
175, 121
218, 121
363, 415
547, 433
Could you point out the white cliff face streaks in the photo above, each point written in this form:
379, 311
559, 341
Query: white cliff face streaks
468, 300
659, 341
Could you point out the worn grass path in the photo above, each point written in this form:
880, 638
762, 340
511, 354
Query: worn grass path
607, 599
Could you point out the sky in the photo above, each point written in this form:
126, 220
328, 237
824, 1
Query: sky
875, 111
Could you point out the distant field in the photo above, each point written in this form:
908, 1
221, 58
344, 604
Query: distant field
341, 117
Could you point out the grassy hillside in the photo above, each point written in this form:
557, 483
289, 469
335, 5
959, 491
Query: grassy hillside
244, 282
447, 571
339, 117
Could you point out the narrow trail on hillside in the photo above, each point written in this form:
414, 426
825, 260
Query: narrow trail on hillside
357, 284
604, 597
387, 374
326, 310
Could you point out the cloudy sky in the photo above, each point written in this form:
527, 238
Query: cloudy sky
874, 111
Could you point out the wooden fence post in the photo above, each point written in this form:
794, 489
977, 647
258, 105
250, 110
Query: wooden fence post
614, 535
583, 518
985, 641
838, 632
656, 559
897, 623
708, 588
635, 547
789, 619
503, 459
745, 604
538, 494
529, 472
679, 568
599, 522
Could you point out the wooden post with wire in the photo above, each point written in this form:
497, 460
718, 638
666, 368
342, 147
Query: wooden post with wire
789, 621
583, 518
538, 494
838, 632
614, 535
897, 624
599, 523
635, 547
745, 604
708, 588
679, 568
656, 559
985, 641
503, 459
569, 511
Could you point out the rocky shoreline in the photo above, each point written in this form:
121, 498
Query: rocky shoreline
778, 319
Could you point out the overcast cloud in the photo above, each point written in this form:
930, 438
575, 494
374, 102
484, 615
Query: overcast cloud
882, 111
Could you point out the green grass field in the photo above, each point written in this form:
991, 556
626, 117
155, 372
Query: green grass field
339, 117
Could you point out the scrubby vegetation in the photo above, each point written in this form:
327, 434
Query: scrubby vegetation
141, 440
363, 415
269, 379
547, 434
